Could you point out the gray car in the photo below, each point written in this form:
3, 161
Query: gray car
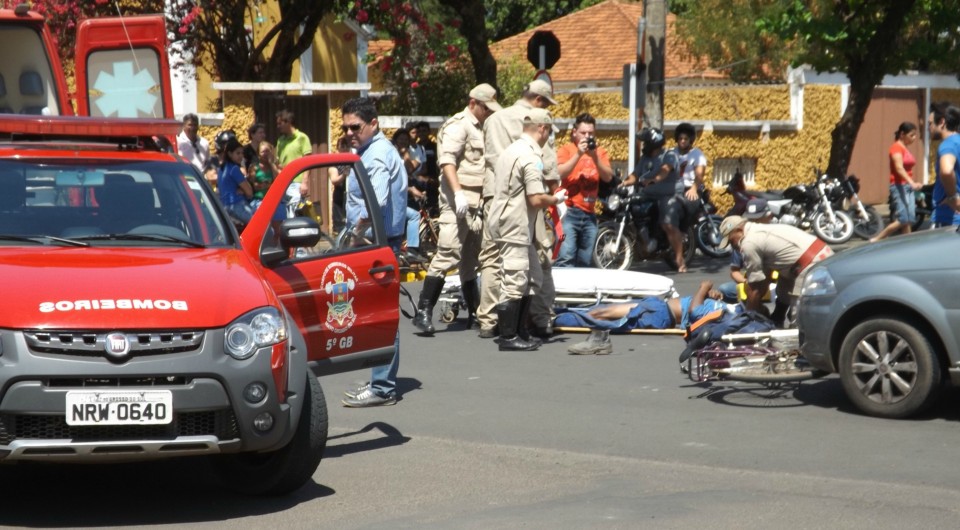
885, 317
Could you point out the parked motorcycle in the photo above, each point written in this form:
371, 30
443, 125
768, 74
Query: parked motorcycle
805, 206
842, 192
706, 229
632, 230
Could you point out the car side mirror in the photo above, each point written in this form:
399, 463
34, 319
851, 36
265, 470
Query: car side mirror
299, 232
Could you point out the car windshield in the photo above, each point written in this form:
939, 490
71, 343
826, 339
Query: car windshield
107, 203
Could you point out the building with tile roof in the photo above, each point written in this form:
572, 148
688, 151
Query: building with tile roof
597, 41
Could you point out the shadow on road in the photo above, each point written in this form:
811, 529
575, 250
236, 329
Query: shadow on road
826, 393
390, 437
177, 491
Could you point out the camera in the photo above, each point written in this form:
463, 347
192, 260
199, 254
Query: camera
591, 143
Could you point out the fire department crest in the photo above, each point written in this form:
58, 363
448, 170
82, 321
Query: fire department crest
338, 280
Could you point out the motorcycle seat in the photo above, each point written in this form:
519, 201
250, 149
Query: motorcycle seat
770, 195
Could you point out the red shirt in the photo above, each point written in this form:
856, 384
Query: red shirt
908, 162
583, 183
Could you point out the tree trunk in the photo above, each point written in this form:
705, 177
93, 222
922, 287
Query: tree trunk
473, 28
865, 69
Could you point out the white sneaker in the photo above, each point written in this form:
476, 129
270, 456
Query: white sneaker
357, 391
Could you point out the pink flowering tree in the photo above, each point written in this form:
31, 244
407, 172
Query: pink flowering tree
424, 67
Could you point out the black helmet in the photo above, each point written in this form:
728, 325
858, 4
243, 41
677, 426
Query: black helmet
687, 129
652, 138
222, 138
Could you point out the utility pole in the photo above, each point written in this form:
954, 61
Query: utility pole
655, 12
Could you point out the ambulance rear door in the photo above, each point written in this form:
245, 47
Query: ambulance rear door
122, 68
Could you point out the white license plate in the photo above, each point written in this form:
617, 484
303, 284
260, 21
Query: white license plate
119, 407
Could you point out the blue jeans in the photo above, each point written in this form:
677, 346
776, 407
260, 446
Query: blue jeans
383, 379
579, 235
730, 292
413, 228
904, 203
241, 210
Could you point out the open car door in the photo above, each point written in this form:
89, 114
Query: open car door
343, 292
122, 68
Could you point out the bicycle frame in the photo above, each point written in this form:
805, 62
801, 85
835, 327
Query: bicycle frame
709, 362
734, 353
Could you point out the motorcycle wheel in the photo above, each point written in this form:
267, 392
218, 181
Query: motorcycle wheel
607, 254
707, 234
869, 227
839, 232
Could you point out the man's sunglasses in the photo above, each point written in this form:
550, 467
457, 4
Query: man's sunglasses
353, 127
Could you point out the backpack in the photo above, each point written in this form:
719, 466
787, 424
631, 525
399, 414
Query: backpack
719, 323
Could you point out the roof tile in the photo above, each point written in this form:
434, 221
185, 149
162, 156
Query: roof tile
597, 41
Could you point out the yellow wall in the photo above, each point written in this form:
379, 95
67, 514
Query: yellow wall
783, 158
334, 57
734, 103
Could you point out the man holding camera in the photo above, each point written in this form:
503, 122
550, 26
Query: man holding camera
582, 166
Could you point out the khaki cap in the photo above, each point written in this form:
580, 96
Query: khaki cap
542, 89
729, 225
538, 116
487, 95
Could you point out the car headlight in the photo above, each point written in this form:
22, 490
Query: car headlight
817, 282
613, 202
254, 330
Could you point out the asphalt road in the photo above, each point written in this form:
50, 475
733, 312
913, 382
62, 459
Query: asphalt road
485, 439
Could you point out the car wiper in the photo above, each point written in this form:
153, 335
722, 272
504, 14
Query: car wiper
142, 237
43, 240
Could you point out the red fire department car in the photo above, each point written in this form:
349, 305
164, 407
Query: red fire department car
137, 322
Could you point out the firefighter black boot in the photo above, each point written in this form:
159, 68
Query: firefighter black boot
423, 320
471, 299
523, 328
508, 319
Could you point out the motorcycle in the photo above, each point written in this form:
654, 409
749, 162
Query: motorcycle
867, 222
630, 228
706, 230
805, 206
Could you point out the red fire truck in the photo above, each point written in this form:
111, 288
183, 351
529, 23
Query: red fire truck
138, 322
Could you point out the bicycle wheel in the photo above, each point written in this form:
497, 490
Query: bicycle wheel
429, 230
771, 369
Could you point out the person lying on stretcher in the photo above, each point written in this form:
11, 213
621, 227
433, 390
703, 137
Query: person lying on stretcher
647, 313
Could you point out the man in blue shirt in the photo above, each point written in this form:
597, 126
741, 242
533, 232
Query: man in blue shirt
385, 168
943, 122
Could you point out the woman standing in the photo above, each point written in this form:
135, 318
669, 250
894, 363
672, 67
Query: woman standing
902, 185
401, 140
235, 191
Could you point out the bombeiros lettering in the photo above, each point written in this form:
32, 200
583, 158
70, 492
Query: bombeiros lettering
113, 304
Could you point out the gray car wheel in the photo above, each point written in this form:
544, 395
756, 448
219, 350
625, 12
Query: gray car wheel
888, 368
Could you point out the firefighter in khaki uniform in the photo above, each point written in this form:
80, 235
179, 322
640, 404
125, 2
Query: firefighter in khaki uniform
772, 247
460, 156
499, 131
518, 199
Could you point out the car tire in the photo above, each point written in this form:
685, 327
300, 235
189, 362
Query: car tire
889, 369
285, 470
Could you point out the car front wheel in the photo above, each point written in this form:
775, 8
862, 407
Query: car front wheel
888, 368
285, 470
